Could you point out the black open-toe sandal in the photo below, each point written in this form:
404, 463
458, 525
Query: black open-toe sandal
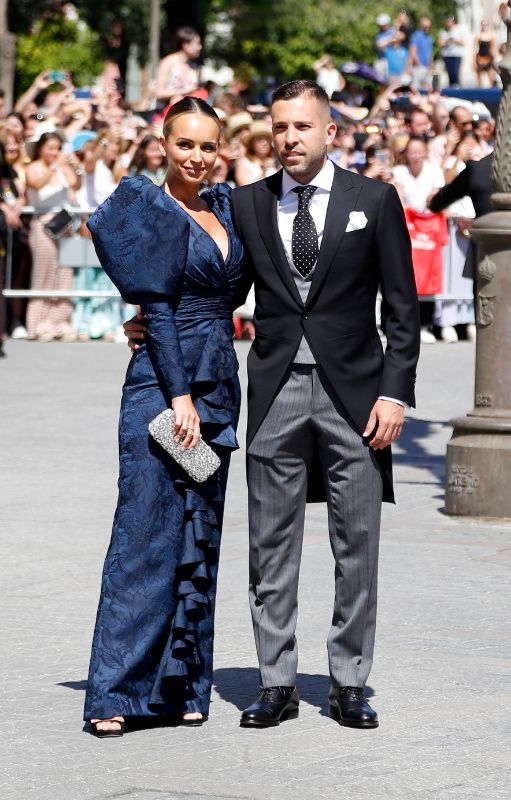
111, 734
193, 723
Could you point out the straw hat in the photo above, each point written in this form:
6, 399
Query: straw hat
242, 119
259, 128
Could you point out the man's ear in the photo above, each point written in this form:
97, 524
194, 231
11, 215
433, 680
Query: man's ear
331, 131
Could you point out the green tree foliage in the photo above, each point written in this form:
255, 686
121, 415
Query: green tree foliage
283, 39
118, 24
60, 44
115, 24
279, 38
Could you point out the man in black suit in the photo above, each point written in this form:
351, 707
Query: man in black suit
325, 402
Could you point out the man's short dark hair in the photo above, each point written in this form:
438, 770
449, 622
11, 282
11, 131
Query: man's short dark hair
2, 93
293, 89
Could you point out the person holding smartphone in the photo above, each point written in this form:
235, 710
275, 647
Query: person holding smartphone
379, 163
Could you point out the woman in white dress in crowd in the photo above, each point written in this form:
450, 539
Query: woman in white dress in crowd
101, 169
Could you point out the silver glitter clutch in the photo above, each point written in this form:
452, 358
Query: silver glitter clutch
200, 463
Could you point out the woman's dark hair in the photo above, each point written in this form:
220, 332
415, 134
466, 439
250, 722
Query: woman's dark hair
45, 137
293, 89
188, 105
138, 162
186, 34
16, 114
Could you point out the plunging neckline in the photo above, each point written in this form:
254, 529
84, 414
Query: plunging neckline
225, 258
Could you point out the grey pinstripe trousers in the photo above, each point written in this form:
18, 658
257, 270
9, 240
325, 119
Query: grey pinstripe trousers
306, 415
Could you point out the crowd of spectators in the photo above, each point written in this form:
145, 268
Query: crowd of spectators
403, 52
66, 146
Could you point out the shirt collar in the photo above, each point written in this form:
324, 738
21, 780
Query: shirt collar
323, 180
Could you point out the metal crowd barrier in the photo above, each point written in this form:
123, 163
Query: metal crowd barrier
75, 251
78, 252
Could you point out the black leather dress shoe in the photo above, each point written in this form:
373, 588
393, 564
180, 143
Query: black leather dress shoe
273, 706
350, 708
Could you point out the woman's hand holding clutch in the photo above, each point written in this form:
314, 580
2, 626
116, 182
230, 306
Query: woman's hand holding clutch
187, 424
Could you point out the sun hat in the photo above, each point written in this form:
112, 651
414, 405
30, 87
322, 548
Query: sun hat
241, 119
383, 19
259, 128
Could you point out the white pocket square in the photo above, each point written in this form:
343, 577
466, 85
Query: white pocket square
357, 221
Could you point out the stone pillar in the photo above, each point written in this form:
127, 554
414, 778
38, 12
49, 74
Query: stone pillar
478, 481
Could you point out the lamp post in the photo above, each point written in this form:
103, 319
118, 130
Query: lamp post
478, 480
154, 40
7, 57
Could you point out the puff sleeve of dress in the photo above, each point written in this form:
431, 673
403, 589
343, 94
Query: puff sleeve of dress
142, 243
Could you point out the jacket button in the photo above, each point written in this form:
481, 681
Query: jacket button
305, 316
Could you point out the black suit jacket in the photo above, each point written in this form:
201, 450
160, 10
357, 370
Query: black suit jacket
338, 318
475, 181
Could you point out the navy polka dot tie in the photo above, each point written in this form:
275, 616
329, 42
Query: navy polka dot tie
304, 243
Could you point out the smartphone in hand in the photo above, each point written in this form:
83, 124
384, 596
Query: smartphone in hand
57, 76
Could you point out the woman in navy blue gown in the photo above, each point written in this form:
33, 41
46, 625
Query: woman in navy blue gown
177, 256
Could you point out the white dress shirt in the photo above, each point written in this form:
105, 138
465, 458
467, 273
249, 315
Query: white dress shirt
288, 206
286, 211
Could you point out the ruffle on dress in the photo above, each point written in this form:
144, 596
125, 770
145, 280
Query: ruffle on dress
181, 660
217, 405
208, 351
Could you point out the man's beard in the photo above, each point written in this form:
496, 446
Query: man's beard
310, 166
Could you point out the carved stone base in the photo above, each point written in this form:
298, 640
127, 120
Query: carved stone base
478, 467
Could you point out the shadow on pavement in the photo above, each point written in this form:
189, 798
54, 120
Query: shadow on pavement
240, 686
414, 433
79, 686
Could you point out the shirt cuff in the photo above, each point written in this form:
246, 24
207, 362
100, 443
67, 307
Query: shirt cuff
393, 400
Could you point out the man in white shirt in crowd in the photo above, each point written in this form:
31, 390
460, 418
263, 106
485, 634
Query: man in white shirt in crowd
451, 41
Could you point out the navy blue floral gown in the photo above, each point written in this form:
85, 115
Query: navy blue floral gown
152, 649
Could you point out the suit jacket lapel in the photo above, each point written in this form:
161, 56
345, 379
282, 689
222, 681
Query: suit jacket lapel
266, 196
343, 198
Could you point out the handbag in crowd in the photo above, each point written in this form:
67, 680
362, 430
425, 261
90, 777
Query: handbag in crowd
60, 224
200, 462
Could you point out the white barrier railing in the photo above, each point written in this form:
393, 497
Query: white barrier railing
75, 251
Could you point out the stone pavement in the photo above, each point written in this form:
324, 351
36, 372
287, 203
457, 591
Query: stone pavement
440, 681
